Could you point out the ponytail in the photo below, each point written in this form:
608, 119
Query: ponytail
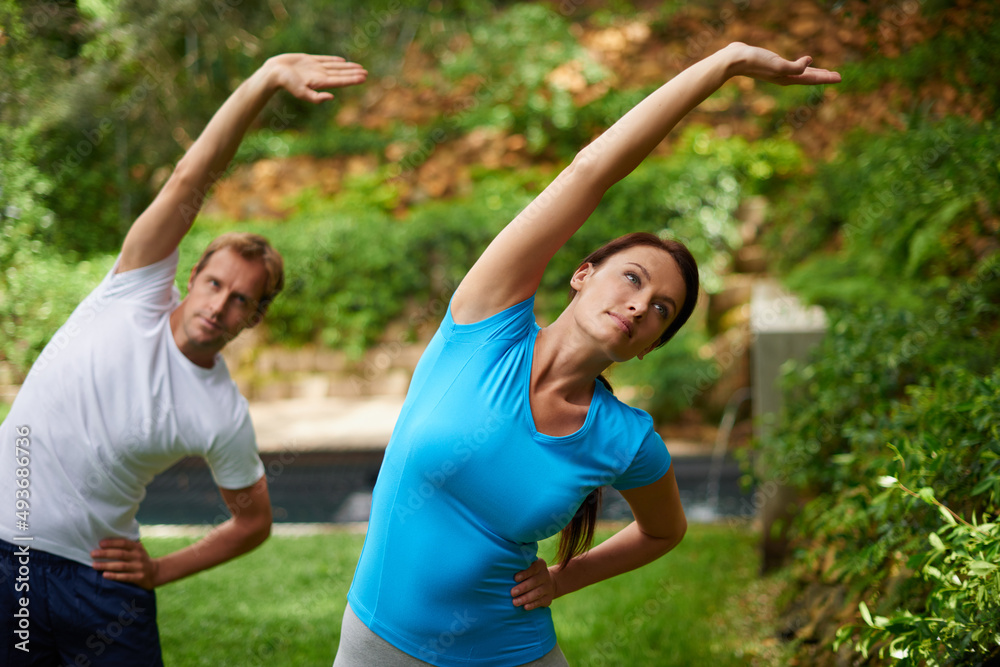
577, 537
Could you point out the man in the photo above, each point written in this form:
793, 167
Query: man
130, 384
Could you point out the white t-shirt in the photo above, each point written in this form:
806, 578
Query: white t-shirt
110, 403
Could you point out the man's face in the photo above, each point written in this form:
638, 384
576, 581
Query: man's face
222, 301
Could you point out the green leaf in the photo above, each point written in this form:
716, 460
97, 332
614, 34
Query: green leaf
936, 542
947, 515
983, 485
928, 239
865, 614
981, 568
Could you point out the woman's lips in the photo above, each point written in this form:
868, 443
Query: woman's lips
625, 325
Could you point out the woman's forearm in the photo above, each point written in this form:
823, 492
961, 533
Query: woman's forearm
620, 149
627, 550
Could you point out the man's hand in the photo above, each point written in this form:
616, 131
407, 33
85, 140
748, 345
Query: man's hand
124, 560
304, 75
764, 65
159, 229
535, 587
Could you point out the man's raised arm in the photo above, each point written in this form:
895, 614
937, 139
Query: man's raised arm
159, 229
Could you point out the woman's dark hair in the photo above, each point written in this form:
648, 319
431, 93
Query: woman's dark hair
676, 249
579, 534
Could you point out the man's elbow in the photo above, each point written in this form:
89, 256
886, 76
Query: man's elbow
255, 530
262, 530
188, 178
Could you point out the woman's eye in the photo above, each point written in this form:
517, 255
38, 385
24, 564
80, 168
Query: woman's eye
632, 277
662, 310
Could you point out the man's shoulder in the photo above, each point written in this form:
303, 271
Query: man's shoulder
151, 286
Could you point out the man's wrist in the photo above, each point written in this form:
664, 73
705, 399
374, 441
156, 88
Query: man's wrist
157, 571
268, 76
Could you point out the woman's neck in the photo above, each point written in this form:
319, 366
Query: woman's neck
564, 365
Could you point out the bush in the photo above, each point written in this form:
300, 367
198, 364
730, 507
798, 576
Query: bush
908, 206
893, 418
949, 612
520, 96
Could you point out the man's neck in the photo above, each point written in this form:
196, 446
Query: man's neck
203, 357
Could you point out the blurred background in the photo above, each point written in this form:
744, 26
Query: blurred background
858, 223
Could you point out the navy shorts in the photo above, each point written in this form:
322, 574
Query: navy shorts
73, 616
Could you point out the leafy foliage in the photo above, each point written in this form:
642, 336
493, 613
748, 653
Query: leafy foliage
913, 204
902, 394
956, 618
522, 96
963, 53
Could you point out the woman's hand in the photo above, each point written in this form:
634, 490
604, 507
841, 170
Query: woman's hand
304, 75
124, 560
764, 65
535, 587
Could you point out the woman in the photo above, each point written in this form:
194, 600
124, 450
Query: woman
505, 432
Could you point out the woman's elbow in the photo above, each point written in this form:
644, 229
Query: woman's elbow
680, 530
588, 167
676, 533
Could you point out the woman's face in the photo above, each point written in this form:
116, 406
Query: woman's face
628, 301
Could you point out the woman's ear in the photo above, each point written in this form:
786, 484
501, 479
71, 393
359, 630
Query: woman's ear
652, 346
581, 275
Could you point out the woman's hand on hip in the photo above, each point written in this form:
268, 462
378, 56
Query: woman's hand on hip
535, 587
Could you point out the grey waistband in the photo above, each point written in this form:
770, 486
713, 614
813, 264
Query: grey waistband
360, 647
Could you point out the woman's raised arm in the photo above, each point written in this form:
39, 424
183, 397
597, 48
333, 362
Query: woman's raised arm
511, 268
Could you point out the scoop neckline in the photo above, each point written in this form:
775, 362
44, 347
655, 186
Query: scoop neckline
591, 409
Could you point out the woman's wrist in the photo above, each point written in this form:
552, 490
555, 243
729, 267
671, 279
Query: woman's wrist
733, 57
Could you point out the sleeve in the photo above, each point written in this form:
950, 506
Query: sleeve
151, 285
512, 323
235, 463
651, 462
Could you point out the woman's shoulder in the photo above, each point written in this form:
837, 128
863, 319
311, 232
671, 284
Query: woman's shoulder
513, 322
618, 410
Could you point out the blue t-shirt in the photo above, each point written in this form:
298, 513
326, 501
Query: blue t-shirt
468, 487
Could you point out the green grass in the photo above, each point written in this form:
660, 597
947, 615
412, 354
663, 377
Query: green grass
282, 605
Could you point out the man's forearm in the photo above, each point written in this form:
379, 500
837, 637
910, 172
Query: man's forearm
210, 155
226, 541
162, 226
